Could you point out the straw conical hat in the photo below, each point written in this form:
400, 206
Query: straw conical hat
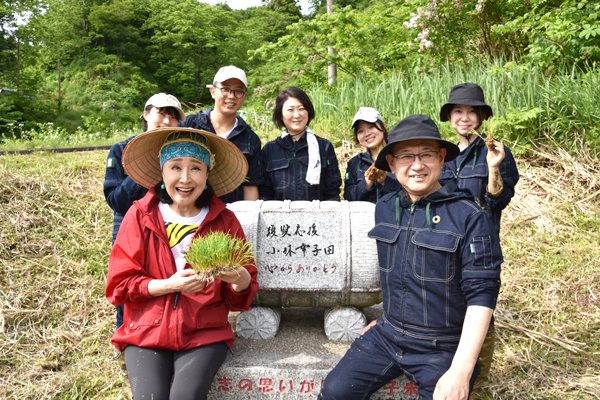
142, 162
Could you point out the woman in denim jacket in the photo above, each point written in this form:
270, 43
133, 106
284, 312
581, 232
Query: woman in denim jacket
299, 165
487, 169
363, 181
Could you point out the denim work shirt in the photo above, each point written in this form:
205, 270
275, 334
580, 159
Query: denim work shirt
355, 187
244, 139
472, 174
286, 163
437, 257
120, 191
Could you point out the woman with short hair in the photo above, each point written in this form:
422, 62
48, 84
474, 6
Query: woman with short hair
298, 165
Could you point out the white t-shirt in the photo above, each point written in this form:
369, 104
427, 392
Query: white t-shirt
226, 134
180, 230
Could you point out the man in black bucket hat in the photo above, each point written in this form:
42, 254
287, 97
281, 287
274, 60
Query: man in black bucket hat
439, 262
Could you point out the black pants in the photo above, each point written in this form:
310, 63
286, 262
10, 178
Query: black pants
150, 371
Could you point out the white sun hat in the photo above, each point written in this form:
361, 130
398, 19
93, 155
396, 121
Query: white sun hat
368, 114
161, 100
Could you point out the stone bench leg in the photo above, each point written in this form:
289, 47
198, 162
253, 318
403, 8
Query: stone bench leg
344, 323
258, 323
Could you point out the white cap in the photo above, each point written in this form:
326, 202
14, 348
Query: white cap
230, 72
161, 100
368, 114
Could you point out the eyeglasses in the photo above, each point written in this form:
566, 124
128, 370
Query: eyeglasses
225, 91
424, 157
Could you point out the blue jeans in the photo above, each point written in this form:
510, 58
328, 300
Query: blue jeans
119, 316
384, 353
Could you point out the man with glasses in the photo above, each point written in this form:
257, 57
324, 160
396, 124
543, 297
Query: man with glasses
229, 90
439, 260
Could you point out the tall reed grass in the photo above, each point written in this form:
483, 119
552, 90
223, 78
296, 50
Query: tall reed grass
527, 105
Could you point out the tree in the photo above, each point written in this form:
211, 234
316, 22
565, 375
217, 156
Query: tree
190, 42
370, 41
290, 7
117, 27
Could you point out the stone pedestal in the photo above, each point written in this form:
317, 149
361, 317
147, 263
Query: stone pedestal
283, 376
344, 323
294, 364
258, 323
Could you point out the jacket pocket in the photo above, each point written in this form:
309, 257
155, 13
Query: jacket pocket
146, 315
278, 172
481, 248
387, 238
480, 170
435, 255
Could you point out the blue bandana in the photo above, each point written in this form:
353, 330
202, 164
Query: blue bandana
186, 144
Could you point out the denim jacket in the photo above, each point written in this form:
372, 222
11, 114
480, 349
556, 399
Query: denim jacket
244, 139
286, 162
472, 174
120, 190
437, 257
355, 188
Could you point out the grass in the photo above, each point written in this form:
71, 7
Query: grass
216, 253
528, 104
48, 137
55, 323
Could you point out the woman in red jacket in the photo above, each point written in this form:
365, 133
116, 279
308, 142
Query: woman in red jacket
175, 327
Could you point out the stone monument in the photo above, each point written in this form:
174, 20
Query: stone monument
310, 254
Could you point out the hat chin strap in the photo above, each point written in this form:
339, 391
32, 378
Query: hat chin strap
467, 136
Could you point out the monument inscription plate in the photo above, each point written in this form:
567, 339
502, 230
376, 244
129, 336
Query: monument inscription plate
300, 253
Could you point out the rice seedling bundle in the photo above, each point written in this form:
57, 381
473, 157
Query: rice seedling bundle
217, 253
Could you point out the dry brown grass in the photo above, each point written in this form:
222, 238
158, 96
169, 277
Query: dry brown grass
55, 324
548, 316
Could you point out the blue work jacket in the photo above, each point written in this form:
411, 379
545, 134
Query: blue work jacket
120, 190
355, 188
437, 257
244, 139
286, 162
472, 174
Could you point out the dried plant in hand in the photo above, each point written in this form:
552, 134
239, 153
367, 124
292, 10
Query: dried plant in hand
216, 253
489, 132
375, 174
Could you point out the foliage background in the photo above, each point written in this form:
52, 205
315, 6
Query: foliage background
64, 59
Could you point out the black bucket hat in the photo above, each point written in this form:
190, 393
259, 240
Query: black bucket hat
415, 127
470, 94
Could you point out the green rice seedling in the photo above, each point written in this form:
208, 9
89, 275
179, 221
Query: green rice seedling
217, 253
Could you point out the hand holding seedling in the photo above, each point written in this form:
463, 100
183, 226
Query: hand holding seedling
373, 174
494, 157
239, 279
495, 152
181, 281
219, 255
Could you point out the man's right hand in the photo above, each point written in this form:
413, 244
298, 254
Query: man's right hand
366, 328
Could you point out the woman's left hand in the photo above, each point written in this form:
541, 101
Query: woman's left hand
239, 279
495, 152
